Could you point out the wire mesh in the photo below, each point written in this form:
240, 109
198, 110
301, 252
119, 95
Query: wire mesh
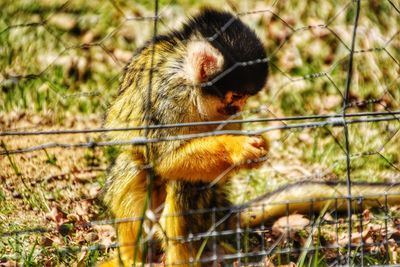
330, 110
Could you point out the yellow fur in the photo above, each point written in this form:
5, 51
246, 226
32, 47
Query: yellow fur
175, 250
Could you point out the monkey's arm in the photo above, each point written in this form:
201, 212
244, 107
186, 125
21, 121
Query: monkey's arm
205, 159
306, 197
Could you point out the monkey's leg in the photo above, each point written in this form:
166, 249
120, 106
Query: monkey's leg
127, 233
177, 252
175, 226
205, 159
126, 199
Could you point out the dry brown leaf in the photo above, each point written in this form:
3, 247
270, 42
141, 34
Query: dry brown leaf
91, 237
57, 216
83, 208
106, 234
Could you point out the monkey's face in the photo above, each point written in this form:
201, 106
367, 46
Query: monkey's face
222, 86
231, 104
212, 107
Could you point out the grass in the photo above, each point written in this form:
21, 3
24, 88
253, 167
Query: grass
60, 68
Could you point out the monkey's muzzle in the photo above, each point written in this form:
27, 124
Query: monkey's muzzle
230, 110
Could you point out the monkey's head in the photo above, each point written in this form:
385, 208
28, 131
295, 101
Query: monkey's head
225, 59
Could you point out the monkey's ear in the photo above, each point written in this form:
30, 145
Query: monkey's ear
203, 61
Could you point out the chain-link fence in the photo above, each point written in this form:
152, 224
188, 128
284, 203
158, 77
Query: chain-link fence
326, 193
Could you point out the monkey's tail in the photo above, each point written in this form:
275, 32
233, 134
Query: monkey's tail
311, 196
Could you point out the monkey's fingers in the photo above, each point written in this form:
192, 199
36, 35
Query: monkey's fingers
253, 149
258, 141
261, 144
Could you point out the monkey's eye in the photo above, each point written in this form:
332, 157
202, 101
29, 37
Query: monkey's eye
231, 97
236, 97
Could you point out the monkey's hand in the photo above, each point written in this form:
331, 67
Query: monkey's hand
209, 158
248, 151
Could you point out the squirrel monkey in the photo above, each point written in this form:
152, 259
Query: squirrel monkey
203, 72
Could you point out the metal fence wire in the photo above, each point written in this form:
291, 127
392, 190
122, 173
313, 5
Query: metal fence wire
330, 111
